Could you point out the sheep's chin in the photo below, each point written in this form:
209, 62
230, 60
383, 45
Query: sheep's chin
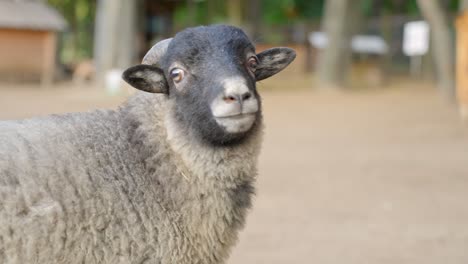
236, 124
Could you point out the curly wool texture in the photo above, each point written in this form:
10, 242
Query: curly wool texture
124, 186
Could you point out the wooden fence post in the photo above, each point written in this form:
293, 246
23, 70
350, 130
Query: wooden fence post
462, 63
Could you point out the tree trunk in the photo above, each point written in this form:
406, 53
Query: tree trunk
126, 49
105, 39
463, 5
443, 49
115, 36
334, 59
255, 7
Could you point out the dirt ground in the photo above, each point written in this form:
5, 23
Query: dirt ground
369, 176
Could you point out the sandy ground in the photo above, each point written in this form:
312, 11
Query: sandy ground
378, 176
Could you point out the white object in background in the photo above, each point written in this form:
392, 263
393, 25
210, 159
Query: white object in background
416, 44
416, 38
369, 44
318, 39
114, 82
365, 44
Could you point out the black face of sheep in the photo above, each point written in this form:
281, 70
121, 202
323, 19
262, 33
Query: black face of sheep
210, 72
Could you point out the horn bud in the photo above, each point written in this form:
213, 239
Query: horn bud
154, 55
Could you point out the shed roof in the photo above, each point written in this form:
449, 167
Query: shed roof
34, 15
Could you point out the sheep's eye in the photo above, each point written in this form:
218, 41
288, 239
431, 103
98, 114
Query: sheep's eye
252, 63
177, 75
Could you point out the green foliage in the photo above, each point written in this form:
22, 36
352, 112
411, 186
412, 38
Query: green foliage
310, 9
202, 14
286, 11
78, 39
278, 11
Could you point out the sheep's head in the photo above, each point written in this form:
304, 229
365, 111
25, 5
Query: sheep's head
210, 73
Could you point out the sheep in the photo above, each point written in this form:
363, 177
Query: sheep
168, 177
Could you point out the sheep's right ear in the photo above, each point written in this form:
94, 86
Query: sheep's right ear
147, 78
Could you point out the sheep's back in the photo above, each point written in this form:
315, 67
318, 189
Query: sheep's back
61, 189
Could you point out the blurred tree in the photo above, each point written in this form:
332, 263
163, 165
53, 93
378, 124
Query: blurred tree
210, 9
191, 12
115, 35
275, 12
234, 11
105, 41
307, 9
334, 59
443, 49
78, 41
195, 12
255, 21
215, 11
463, 5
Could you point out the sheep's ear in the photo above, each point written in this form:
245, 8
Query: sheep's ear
147, 78
272, 61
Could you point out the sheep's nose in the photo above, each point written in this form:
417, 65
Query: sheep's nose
237, 97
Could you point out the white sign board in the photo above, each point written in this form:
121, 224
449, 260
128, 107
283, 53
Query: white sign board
416, 38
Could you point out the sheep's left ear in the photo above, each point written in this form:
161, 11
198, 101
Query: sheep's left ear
147, 78
272, 61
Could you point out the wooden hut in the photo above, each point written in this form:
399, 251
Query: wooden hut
28, 37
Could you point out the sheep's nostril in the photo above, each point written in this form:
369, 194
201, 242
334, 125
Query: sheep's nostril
246, 96
230, 99
235, 98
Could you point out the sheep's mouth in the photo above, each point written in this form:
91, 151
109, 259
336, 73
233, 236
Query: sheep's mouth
236, 116
238, 123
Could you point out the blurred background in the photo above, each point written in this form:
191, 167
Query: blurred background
365, 157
